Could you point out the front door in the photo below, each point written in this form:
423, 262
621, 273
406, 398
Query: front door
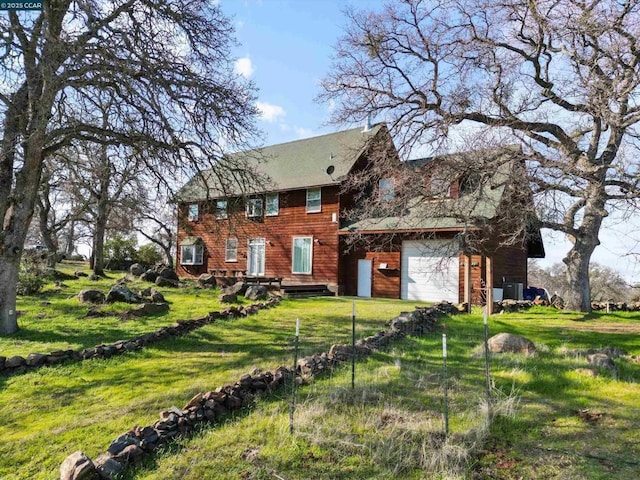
255, 257
364, 278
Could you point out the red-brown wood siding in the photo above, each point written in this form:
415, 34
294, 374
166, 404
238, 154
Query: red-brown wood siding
278, 231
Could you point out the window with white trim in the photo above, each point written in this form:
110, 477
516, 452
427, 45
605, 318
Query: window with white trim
193, 212
231, 250
314, 200
220, 209
192, 254
254, 207
272, 206
302, 255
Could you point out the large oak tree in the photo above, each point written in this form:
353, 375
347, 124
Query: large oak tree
164, 64
558, 77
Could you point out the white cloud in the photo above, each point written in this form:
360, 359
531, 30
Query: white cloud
244, 67
269, 112
302, 132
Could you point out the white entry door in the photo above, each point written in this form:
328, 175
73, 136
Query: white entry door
255, 257
364, 278
430, 271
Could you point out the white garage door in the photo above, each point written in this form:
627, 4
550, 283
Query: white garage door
429, 271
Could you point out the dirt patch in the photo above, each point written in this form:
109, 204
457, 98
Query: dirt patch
609, 328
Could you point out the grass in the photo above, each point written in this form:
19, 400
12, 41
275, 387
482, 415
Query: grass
389, 426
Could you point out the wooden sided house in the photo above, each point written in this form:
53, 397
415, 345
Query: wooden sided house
294, 229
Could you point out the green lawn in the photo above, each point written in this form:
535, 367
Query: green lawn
390, 426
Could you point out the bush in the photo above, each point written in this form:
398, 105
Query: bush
149, 255
31, 277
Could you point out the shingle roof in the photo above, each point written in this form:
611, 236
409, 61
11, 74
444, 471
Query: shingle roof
466, 212
293, 165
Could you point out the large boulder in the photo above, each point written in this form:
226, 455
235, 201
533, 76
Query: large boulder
149, 276
168, 273
122, 293
152, 295
136, 269
238, 288
150, 309
509, 343
206, 280
228, 298
78, 466
91, 296
602, 360
256, 292
166, 282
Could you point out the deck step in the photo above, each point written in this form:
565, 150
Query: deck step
299, 291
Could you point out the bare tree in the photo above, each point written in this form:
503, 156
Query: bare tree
560, 78
166, 65
157, 222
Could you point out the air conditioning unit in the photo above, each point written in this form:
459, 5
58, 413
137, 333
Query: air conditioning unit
512, 290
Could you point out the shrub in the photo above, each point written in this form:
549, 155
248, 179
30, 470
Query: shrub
149, 255
31, 277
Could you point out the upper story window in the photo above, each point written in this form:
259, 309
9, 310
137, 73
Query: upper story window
272, 201
254, 207
314, 200
231, 250
385, 187
193, 212
220, 211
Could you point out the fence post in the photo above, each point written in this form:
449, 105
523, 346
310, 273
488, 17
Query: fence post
353, 346
446, 388
292, 408
487, 373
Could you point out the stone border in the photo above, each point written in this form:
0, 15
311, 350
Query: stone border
18, 365
212, 406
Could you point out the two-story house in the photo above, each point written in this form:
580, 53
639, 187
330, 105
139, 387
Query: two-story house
294, 227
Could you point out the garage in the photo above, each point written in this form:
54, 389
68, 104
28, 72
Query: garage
430, 271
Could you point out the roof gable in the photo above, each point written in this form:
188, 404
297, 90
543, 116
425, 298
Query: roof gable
310, 162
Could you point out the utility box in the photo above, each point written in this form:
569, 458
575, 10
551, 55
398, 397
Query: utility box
512, 290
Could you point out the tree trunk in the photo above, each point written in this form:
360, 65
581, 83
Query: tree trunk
579, 257
168, 256
9, 268
98, 245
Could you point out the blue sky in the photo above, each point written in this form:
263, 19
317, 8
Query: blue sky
286, 49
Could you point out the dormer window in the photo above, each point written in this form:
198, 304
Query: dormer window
469, 183
193, 212
254, 208
385, 187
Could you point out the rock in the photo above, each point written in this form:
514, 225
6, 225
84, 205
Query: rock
149, 276
509, 343
166, 282
136, 269
94, 277
36, 359
228, 298
601, 360
15, 362
78, 466
79, 274
256, 292
206, 280
152, 295
150, 309
91, 296
58, 275
122, 293
2, 362
108, 467
168, 273
238, 288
